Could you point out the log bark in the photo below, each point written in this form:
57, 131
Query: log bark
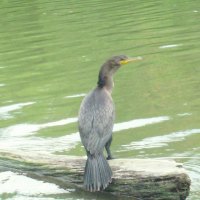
146, 179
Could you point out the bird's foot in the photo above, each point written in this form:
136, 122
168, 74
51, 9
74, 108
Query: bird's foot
109, 157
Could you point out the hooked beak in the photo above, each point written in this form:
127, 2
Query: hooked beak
122, 62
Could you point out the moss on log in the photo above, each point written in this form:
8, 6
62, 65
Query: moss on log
146, 179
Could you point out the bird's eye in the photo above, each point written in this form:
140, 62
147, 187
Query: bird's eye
112, 64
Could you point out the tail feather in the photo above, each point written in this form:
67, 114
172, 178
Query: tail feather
98, 173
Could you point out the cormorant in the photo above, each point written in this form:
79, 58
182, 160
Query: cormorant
95, 121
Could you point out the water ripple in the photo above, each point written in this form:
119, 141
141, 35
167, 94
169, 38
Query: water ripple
193, 169
170, 46
160, 141
5, 110
139, 122
11, 182
51, 145
20, 130
76, 95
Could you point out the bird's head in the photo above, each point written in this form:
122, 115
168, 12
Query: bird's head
112, 65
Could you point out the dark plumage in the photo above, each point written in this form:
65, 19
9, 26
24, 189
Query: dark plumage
96, 119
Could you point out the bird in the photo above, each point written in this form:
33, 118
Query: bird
95, 123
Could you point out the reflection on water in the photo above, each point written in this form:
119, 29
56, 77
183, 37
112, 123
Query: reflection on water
160, 141
5, 110
18, 197
14, 138
184, 114
30, 129
76, 95
194, 173
50, 53
36, 145
138, 123
169, 46
12, 183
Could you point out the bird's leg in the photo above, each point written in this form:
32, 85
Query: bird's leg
107, 146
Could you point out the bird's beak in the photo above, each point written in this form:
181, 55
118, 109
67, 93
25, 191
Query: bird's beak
122, 62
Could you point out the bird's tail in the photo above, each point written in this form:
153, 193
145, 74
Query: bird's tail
98, 173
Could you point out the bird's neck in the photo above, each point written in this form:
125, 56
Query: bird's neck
105, 82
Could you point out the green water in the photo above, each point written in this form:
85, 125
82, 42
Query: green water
50, 50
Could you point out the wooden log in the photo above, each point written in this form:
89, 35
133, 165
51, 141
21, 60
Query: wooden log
146, 179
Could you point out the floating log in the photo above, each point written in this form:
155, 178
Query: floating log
146, 179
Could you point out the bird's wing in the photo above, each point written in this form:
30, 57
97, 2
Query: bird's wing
101, 131
96, 121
